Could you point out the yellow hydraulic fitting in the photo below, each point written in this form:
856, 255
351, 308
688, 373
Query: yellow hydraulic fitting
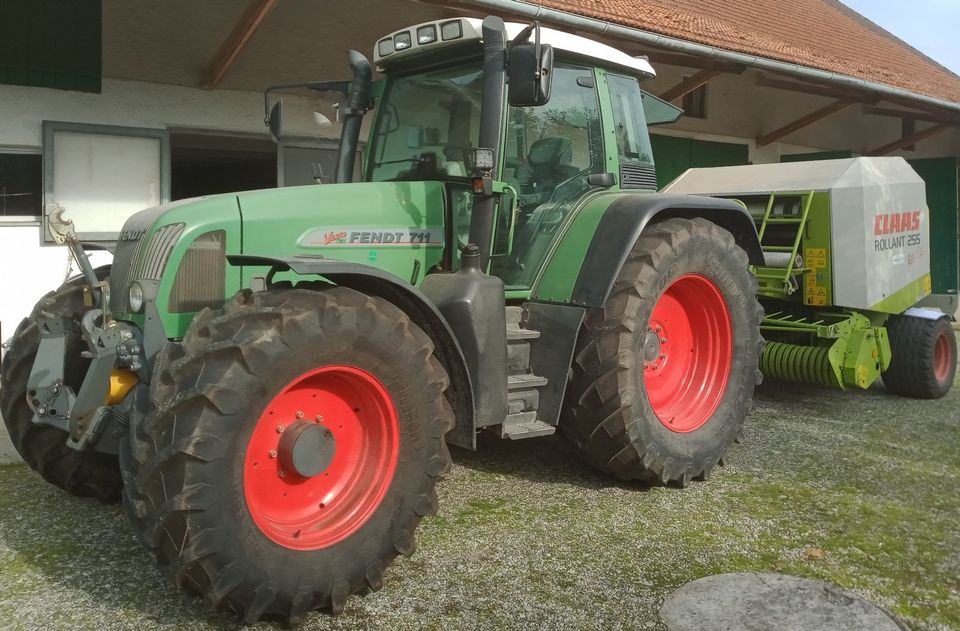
121, 382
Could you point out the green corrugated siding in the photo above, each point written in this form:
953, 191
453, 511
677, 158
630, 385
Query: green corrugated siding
816, 155
51, 43
675, 155
940, 175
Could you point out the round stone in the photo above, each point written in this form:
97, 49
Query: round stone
751, 600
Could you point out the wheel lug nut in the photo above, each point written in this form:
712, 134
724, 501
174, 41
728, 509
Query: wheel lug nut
319, 418
272, 453
299, 413
663, 340
279, 429
282, 473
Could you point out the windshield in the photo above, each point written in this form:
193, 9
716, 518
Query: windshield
427, 125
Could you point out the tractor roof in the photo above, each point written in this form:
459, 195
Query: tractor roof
429, 37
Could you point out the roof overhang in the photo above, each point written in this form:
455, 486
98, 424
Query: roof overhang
581, 23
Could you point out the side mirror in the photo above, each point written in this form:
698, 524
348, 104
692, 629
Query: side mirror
530, 70
275, 120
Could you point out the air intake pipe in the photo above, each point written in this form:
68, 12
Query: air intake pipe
356, 106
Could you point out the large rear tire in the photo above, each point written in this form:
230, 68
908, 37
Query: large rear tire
44, 448
923, 357
294, 444
663, 375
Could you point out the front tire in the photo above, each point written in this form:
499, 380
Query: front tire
663, 375
44, 448
294, 446
923, 357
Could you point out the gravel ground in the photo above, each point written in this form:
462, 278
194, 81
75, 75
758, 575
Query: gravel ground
861, 489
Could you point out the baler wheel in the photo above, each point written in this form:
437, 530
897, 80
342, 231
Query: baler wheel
44, 449
294, 443
663, 375
923, 360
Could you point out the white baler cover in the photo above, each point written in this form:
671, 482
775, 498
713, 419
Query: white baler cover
867, 267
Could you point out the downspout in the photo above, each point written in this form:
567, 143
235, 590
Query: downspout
533, 12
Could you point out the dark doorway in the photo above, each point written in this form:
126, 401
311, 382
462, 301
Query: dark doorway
205, 164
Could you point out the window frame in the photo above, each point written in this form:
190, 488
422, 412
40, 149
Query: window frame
24, 220
50, 129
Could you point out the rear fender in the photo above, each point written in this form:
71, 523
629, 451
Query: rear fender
376, 282
626, 218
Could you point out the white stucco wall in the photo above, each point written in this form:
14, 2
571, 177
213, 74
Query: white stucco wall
152, 105
124, 103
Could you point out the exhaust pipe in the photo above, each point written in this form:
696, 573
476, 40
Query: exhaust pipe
356, 106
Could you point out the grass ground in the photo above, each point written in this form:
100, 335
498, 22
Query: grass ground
861, 489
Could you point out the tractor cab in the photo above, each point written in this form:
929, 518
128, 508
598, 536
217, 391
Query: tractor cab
532, 127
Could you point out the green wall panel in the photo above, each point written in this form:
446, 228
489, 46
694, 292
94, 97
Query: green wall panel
940, 175
51, 43
816, 155
675, 155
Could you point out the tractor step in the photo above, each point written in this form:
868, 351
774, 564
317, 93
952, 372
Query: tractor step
523, 394
517, 382
514, 333
525, 425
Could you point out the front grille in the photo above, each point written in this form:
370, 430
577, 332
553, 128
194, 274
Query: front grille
638, 176
121, 271
137, 260
201, 278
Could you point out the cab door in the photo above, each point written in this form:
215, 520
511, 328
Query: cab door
550, 152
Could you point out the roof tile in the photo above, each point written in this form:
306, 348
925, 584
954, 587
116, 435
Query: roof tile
821, 34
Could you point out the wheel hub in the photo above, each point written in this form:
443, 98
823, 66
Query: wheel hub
655, 347
686, 372
321, 457
306, 448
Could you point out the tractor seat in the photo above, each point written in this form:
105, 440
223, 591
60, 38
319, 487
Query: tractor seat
546, 166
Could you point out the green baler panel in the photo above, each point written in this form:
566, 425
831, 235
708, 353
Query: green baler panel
940, 175
817, 255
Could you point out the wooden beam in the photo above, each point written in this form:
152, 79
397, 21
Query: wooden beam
805, 121
926, 117
808, 88
256, 12
690, 84
907, 141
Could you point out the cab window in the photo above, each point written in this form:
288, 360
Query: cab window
551, 150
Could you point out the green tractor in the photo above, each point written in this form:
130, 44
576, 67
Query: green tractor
270, 378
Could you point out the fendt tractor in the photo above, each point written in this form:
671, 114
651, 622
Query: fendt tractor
846, 280
270, 378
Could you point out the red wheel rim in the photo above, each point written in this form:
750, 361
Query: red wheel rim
942, 358
687, 353
359, 421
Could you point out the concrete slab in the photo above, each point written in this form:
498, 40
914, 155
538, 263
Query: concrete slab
750, 600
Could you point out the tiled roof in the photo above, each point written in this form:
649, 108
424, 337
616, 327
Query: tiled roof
821, 34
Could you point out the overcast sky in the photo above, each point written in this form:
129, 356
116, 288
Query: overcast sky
930, 26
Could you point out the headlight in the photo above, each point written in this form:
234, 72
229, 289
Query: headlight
135, 297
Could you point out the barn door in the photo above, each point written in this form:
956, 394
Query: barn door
940, 175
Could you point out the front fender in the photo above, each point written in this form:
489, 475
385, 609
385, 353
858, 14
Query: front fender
407, 298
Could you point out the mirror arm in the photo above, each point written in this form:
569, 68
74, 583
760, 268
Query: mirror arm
343, 87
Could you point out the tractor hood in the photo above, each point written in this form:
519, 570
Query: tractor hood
395, 226
388, 225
